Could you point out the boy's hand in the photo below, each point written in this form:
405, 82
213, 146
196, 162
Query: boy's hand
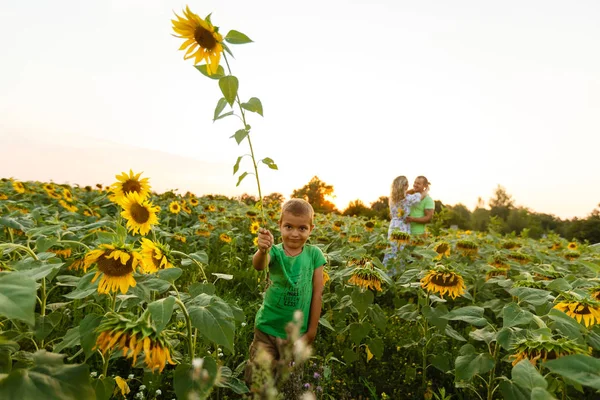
265, 240
308, 337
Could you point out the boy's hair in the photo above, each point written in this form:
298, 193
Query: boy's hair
298, 207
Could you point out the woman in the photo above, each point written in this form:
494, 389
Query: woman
400, 203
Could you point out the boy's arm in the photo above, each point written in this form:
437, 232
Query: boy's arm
315, 306
261, 258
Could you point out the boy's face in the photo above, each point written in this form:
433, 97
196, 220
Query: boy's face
295, 230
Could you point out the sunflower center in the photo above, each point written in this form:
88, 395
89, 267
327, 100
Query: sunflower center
112, 267
582, 310
139, 213
448, 281
205, 38
131, 185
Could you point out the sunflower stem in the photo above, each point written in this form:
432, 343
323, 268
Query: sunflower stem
189, 328
74, 242
490, 383
114, 301
197, 263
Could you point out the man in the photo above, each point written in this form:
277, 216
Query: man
422, 212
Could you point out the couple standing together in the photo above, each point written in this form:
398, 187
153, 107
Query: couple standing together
410, 209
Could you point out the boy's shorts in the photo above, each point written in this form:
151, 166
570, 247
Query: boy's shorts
271, 344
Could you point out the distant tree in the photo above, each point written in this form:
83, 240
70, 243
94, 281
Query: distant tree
480, 218
380, 208
460, 216
357, 208
315, 192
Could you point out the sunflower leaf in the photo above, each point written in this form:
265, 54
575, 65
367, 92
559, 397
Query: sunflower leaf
219, 108
17, 298
270, 163
227, 114
242, 176
240, 135
204, 71
229, 87
236, 167
236, 37
254, 105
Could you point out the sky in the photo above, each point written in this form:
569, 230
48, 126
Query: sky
470, 94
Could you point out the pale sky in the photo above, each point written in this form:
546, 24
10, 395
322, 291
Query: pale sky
471, 94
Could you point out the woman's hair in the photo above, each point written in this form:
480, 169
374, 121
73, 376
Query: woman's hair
298, 207
398, 190
426, 183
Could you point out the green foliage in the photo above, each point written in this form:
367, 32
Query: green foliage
316, 192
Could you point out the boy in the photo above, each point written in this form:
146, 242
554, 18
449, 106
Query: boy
296, 274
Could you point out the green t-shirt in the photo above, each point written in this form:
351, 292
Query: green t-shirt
290, 289
418, 211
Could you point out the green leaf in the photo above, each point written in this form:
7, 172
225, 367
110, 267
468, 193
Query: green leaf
186, 386
85, 287
485, 334
170, 274
239, 135
270, 163
196, 288
17, 297
236, 167
513, 315
350, 356
407, 312
376, 347
161, 311
469, 363
362, 300
253, 105
434, 316
227, 114
213, 318
219, 108
541, 394
441, 361
44, 325
227, 380
579, 368
326, 323
242, 176
235, 37
104, 387
511, 391
377, 316
566, 325
42, 243
204, 71
527, 376
229, 87
200, 256
449, 331
536, 297
88, 334
470, 314
358, 332
71, 339
37, 269
48, 379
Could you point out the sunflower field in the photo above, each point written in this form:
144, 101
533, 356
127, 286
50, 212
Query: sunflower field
119, 292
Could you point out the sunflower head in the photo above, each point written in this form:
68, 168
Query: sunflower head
581, 309
442, 249
129, 183
543, 347
499, 261
116, 264
193, 201
175, 207
519, 257
399, 236
132, 338
18, 187
572, 246
354, 238
364, 274
495, 272
254, 227
467, 247
139, 213
369, 225
572, 255
202, 39
442, 279
155, 256
203, 232
225, 238
510, 244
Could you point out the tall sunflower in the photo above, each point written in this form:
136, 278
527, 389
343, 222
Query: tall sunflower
129, 183
442, 249
442, 280
155, 256
116, 264
202, 39
364, 274
544, 348
139, 213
